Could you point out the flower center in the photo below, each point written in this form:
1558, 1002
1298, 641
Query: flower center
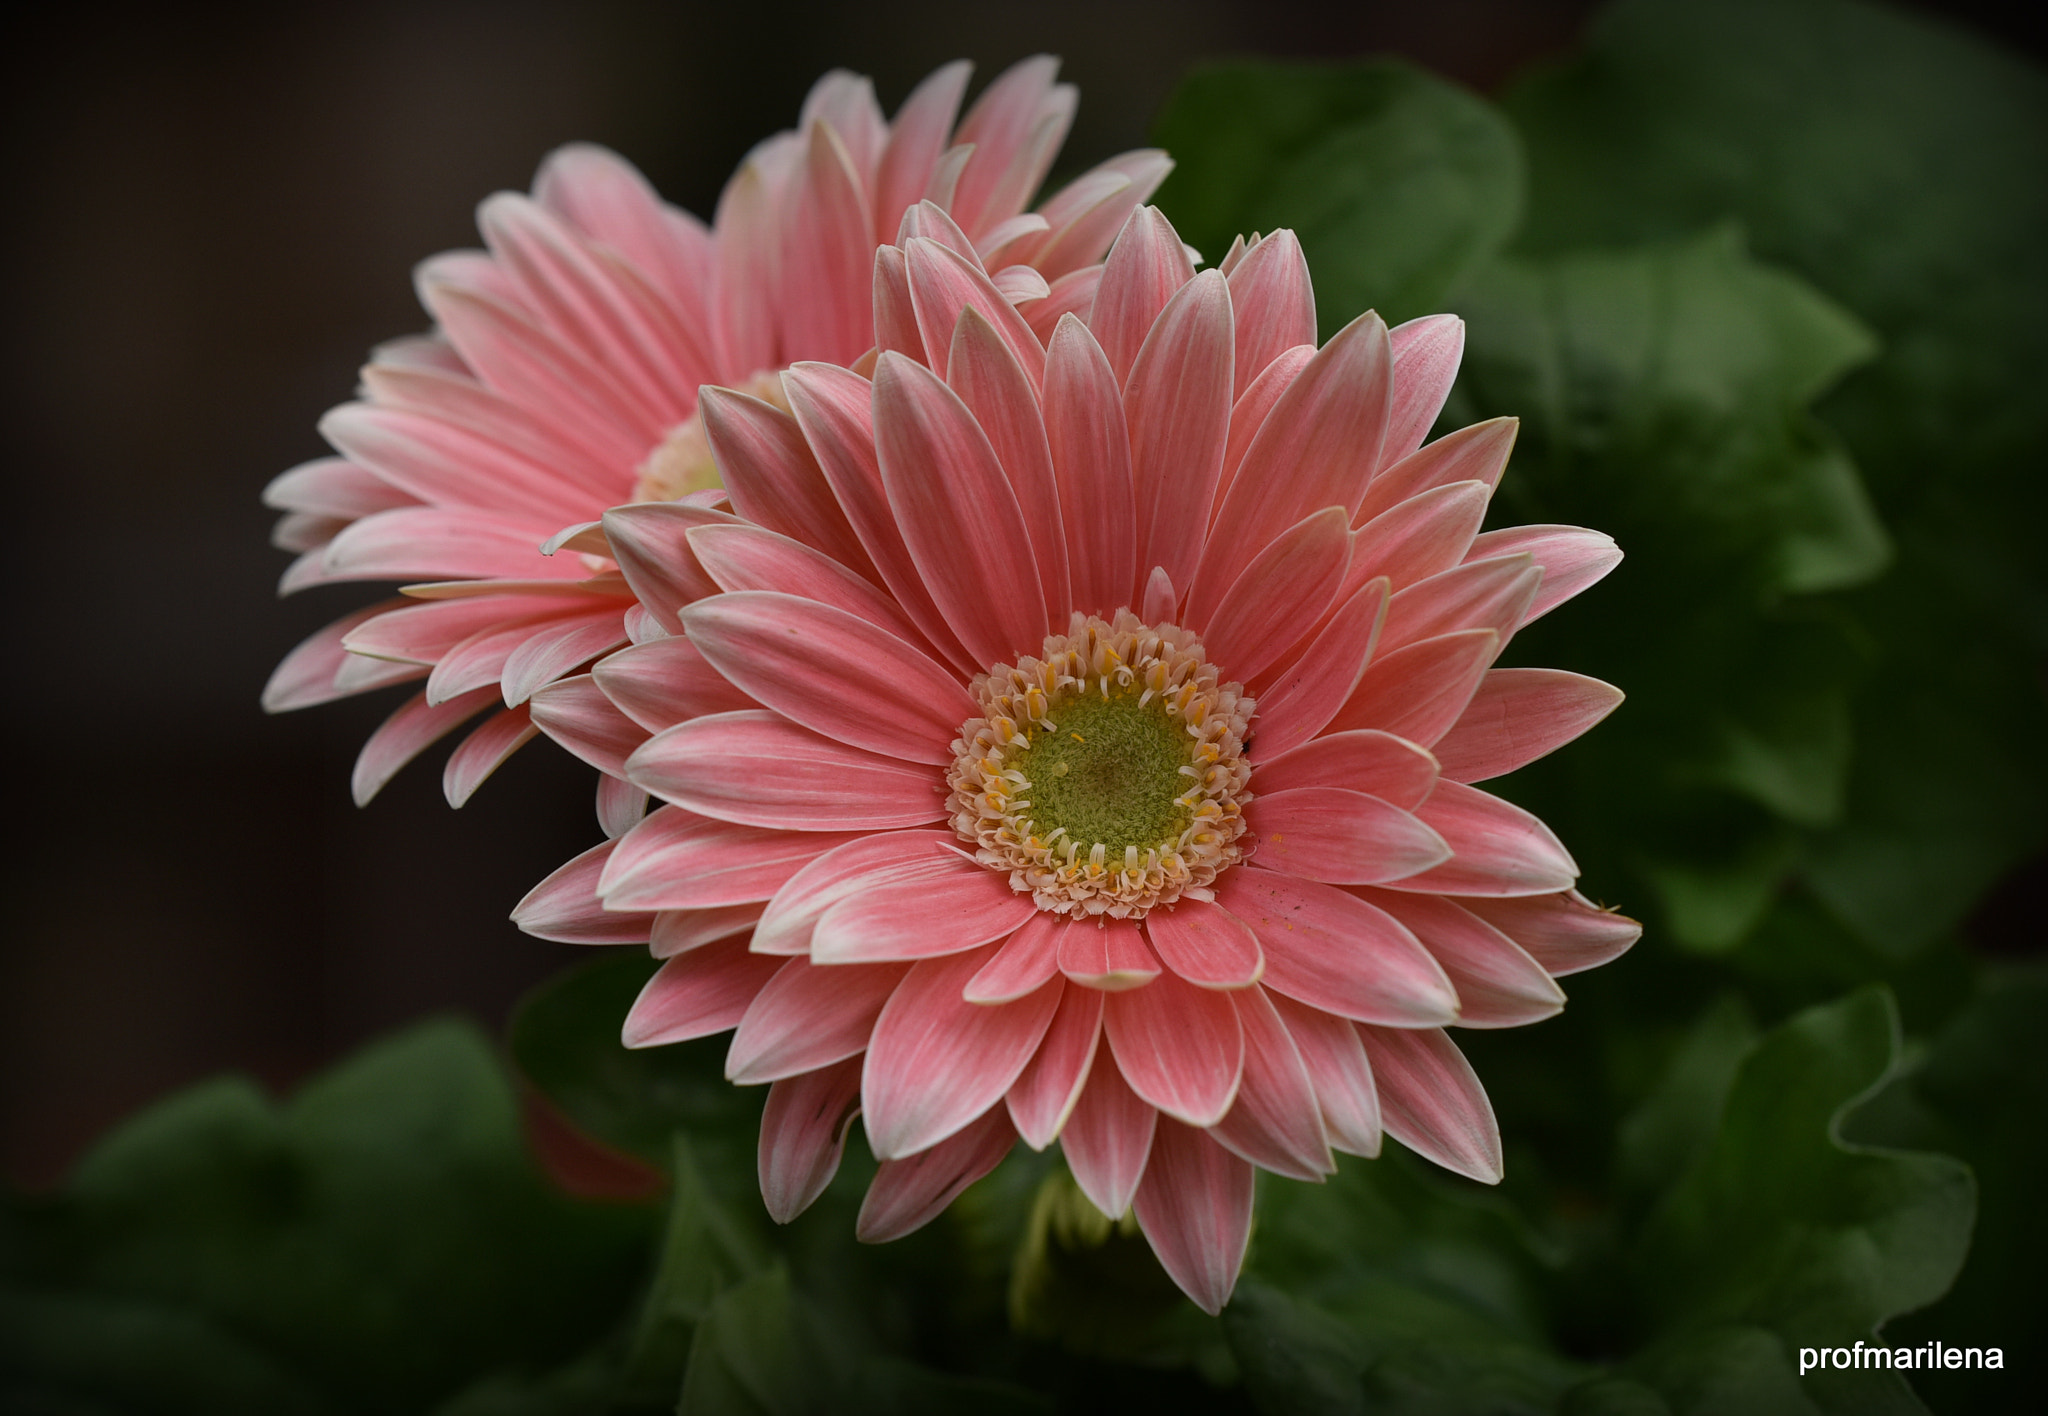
681, 462
1108, 776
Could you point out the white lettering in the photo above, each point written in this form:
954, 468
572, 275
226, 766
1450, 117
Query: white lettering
1808, 1360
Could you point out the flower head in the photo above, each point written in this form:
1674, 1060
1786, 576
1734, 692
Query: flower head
561, 380
1078, 745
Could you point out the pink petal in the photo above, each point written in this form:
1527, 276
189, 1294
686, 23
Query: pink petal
943, 283
1431, 1100
1275, 305
963, 908
1145, 267
1379, 764
747, 233
862, 863
1161, 601
1342, 837
1489, 594
1047, 1090
483, 752
423, 633
1499, 986
415, 727
936, 1061
1426, 356
439, 463
1310, 693
1338, 1069
1419, 690
333, 486
1180, 1047
677, 860
773, 479
1519, 715
1331, 950
481, 658
1195, 1206
1250, 412
620, 805
1478, 453
697, 994
1275, 1123
650, 543
958, 514
1285, 589
833, 672
576, 714
1107, 1141
1091, 456
428, 543
1423, 536
565, 908
829, 253
306, 675
1572, 559
992, 385
1496, 848
679, 931
1566, 932
1087, 214
1206, 945
1022, 964
1177, 402
1071, 294
909, 1193
916, 138
661, 683
1106, 954
558, 646
1001, 125
752, 558
803, 1135
808, 1017
759, 768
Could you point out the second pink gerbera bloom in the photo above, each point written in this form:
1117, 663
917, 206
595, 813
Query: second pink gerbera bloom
1076, 741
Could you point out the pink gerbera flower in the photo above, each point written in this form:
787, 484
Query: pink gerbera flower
561, 380
1076, 742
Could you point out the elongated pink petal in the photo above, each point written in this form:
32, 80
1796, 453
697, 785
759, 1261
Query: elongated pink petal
1379, 764
958, 514
1195, 1208
1090, 446
944, 282
773, 479
306, 676
1431, 1100
936, 1061
1491, 594
759, 768
1499, 985
1047, 1090
1496, 848
1248, 415
678, 860
1307, 695
1340, 1072
1180, 1047
1177, 402
749, 257
1072, 294
909, 1193
1021, 964
833, 672
992, 385
697, 994
808, 1016
1146, 266
1419, 690
650, 543
865, 862
428, 543
1331, 950
1423, 536
1086, 218
803, 1135
483, 752
445, 464
1000, 126
1343, 837
333, 486
620, 806
1206, 945
1572, 558
679, 931
1519, 715
1478, 453
1276, 1122
559, 646
1287, 585
422, 632
576, 713
916, 138
1108, 1139
1317, 448
481, 658
661, 683
1565, 932
961, 909
1107, 954
1426, 353
831, 244
415, 727
1275, 305
753, 558
564, 907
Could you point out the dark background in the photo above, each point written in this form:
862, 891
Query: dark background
209, 220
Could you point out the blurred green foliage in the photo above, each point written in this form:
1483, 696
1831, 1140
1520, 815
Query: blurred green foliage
1768, 285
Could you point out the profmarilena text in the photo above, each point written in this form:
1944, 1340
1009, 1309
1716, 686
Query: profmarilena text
1923, 1357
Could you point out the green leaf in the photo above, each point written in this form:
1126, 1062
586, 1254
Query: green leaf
1397, 183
